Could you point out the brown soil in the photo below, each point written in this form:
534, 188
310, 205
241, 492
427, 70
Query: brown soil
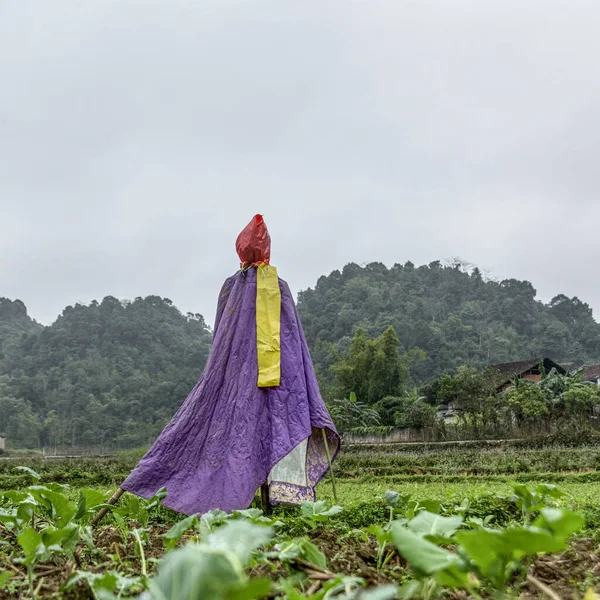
569, 573
354, 557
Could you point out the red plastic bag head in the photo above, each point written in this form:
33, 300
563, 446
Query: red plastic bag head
253, 245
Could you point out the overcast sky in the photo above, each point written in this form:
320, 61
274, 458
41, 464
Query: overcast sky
137, 138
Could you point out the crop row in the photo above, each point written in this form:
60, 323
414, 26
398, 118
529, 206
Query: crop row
397, 546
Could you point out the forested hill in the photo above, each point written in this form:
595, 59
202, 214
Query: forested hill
14, 323
451, 312
112, 372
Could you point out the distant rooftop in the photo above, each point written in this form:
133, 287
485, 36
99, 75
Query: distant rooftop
591, 373
514, 369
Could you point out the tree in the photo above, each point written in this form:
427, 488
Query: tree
473, 396
453, 313
415, 412
372, 368
99, 368
388, 409
527, 402
567, 395
20, 424
349, 413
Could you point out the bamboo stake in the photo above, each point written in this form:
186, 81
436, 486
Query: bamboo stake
330, 467
264, 499
112, 500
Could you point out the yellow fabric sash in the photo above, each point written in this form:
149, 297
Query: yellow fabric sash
268, 326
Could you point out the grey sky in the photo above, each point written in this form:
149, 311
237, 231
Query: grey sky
138, 138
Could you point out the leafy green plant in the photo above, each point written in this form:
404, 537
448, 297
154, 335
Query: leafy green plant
349, 413
314, 514
105, 585
213, 568
531, 501
384, 537
172, 537
497, 555
492, 556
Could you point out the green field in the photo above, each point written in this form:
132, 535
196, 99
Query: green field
473, 482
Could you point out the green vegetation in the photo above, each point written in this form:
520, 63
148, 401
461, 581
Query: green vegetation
110, 374
495, 522
480, 407
391, 346
452, 313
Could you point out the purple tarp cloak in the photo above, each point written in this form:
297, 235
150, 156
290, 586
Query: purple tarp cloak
230, 436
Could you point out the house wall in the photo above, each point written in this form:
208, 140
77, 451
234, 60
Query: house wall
530, 376
2, 443
396, 436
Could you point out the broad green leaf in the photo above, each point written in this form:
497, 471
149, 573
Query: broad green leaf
432, 506
106, 581
210, 520
157, 499
529, 541
429, 524
57, 487
250, 513
562, 523
420, 554
485, 546
8, 517
5, 576
288, 550
255, 515
249, 590
15, 496
38, 493
31, 472
86, 534
318, 511
240, 538
171, 537
93, 498
383, 534
130, 508
548, 489
119, 520
30, 541
196, 571
81, 507
63, 540
382, 592
313, 555
63, 509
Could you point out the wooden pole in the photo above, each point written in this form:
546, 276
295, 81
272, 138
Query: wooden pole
112, 500
330, 467
264, 499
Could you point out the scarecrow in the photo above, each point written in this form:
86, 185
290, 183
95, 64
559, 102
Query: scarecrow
256, 418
